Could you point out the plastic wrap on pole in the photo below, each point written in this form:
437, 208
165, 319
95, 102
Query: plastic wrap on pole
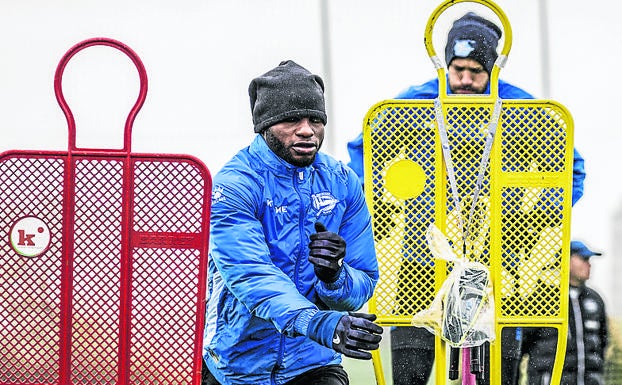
462, 311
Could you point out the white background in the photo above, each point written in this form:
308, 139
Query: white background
200, 56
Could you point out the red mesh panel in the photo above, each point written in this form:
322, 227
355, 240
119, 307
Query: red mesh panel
96, 270
103, 261
30, 287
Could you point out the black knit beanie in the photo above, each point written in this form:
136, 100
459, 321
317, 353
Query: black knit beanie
286, 91
473, 37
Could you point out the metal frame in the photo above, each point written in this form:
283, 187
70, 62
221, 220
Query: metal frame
118, 295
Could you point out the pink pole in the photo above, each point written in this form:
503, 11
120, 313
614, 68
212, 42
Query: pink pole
467, 377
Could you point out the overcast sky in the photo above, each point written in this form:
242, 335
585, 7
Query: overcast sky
200, 56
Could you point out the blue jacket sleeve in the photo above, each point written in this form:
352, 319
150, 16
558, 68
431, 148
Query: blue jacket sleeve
578, 176
355, 150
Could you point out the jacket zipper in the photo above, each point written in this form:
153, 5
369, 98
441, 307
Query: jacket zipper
578, 326
299, 178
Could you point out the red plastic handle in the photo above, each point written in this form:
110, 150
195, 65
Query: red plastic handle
58, 77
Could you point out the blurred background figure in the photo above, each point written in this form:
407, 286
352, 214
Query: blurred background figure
587, 331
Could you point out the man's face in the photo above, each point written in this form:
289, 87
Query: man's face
467, 76
296, 140
579, 269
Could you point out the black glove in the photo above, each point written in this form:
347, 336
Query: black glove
351, 334
326, 252
355, 334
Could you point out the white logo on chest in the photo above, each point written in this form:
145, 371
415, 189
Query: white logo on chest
324, 203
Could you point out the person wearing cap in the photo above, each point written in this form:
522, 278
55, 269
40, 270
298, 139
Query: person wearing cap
291, 255
587, 331
470, 54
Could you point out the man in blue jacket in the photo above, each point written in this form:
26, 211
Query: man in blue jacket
291, 248
470, 54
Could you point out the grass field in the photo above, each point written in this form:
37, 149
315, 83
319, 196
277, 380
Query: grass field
362, 372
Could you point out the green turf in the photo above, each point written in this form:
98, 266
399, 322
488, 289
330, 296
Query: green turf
362, 372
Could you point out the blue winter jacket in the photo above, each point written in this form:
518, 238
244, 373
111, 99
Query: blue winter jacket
263, 212
429, 90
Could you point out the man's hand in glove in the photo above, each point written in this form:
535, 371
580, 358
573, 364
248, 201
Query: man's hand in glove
355, 334
352, 334
326, 253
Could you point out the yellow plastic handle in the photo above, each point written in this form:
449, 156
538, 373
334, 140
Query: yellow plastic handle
440, 68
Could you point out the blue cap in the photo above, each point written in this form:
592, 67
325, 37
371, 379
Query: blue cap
579, 248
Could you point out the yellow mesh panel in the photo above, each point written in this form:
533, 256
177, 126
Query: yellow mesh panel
521, 217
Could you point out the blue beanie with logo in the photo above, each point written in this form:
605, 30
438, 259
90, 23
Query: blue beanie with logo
473, 37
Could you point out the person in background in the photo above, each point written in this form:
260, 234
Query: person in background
470, 54
291, 253
587, 331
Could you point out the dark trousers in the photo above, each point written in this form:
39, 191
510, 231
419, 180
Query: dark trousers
411, 366
325, 375
412, 356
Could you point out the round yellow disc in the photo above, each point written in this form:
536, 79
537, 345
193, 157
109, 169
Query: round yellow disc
405, 179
